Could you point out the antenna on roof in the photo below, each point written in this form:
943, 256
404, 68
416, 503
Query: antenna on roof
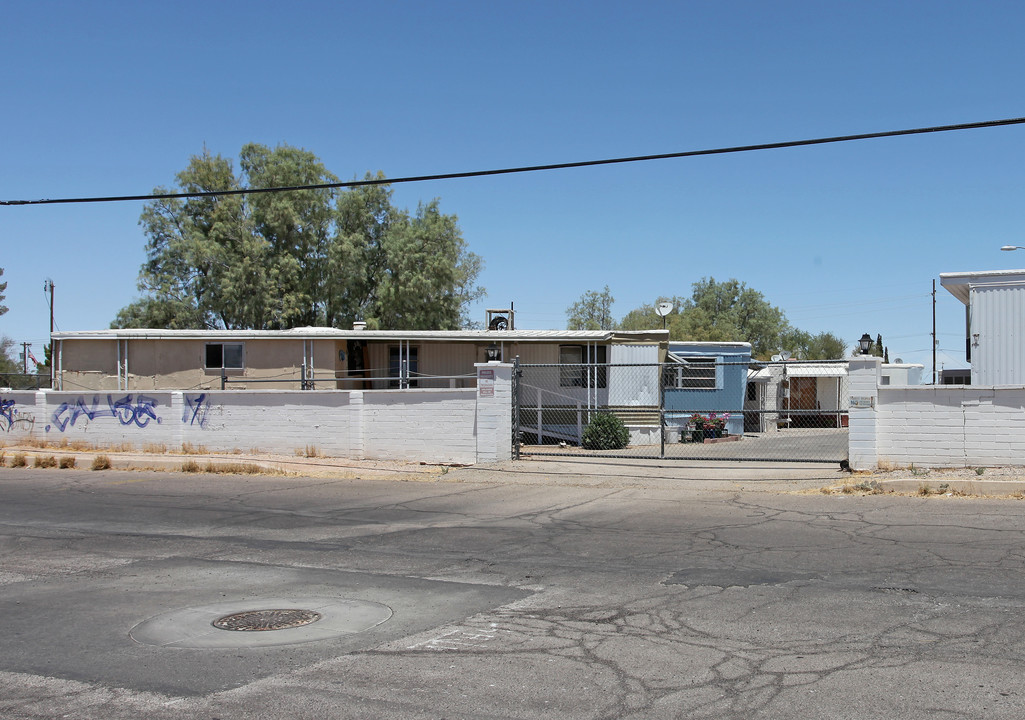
663, 309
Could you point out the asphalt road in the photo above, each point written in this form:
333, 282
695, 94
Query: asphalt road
595, 592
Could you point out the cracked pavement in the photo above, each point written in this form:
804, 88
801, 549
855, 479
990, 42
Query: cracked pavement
598, 592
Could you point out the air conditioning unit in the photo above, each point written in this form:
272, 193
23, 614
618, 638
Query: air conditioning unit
500, 319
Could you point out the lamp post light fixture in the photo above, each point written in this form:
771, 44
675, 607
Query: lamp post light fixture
1008, 248
865, 343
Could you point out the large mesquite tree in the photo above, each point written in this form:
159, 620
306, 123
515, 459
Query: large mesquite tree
297, 258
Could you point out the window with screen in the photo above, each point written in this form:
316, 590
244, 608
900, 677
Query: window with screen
693, 373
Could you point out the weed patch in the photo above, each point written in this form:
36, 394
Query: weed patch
234, 469
66, 462
101, 462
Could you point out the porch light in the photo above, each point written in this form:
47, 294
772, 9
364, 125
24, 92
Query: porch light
493, 353
865, 343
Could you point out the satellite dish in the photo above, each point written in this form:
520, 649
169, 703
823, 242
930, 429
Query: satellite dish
776, 358
498, 322
899, 361
784, 354
663, 309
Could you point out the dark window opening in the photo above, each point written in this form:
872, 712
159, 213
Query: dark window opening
225, 356
585, 366
395, 359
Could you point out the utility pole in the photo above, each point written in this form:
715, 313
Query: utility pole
48, 285
934, 331
24, 357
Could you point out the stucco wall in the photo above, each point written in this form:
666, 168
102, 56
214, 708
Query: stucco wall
87, 364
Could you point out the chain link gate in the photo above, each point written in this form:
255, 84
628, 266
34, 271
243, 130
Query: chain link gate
791, 411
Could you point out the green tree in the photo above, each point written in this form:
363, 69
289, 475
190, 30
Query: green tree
7, 363
43, 368
731, 312
645, 318
297, 258
592, 312
3, 293
805, 346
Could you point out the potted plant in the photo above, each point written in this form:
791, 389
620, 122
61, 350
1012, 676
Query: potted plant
712, 425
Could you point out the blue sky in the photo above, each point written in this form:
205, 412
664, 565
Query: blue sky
107, 98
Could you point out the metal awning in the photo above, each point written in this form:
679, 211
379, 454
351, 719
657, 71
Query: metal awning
803, 370
759, 376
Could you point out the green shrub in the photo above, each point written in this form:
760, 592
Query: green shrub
605, 432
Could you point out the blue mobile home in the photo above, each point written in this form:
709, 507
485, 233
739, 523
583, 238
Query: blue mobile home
706, 377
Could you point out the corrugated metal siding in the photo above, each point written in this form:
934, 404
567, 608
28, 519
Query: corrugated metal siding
998, 317
633, 385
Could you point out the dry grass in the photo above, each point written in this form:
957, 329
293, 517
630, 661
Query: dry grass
66, 462
866, 487
19, 460
190, 466
3, 458
34, 442
155, 448
309, 451
101, 462
48, 461
234, 468
121, 447
190, 449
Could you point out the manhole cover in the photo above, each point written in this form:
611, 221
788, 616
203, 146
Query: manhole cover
266, 620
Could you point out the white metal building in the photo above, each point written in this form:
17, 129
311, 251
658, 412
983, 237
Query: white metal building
995, 320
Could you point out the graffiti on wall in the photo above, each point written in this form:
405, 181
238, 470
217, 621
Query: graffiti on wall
12, 418
127, 410
196, 409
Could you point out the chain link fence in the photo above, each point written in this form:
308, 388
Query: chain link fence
24, 381
698, 410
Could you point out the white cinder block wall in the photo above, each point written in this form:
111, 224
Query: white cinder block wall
450, 425
932, 425
951, 426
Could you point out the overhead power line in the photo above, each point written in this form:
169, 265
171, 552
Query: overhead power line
529, 168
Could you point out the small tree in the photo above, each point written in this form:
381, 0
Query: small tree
592, 312
605, 432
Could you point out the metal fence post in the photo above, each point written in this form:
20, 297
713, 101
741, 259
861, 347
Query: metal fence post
516, 407
661, 413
